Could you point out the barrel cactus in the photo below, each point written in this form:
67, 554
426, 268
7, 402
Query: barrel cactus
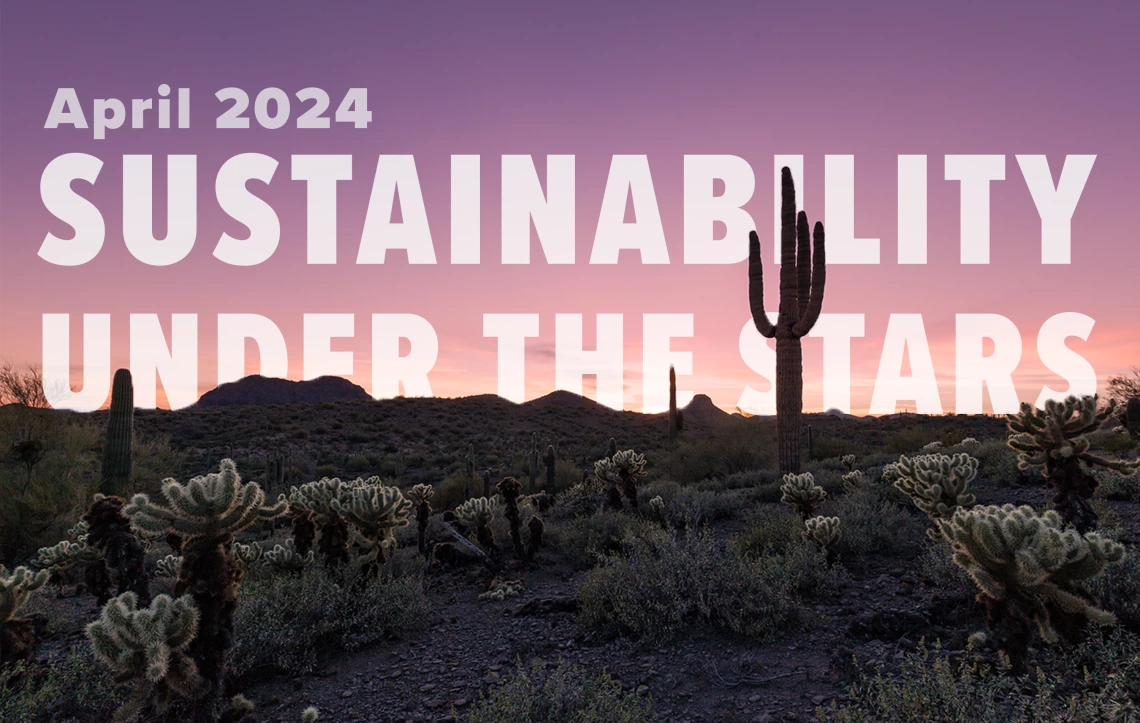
1054, 438
801, 491
1029, 570
149, 647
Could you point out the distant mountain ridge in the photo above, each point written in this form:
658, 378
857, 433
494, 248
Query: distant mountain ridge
256, 390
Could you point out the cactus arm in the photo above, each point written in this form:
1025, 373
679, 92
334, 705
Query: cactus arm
818, 280
756, 288
803, 262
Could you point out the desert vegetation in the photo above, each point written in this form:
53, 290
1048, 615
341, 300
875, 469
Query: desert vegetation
477, 560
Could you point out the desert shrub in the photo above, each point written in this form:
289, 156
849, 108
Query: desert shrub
693, 460
583, 540
452, 491
831, 447
997, 462
874, 524
663, 582
909, 440
940, 570
690, 506
565, 693
71, 686
1097, 681
284, 621
804, 570
1116, 487
769, 529
1118, 591
36, 508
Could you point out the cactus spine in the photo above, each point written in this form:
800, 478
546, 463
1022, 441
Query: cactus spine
116, 472
801, 269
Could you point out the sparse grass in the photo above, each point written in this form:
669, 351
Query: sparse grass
71, 686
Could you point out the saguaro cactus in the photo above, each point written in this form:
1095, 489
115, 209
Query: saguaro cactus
801, 268
116, 473
534, 456
550, 460
1054, 437
206, 513
674, 423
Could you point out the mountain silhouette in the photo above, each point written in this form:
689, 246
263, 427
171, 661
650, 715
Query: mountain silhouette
257, 389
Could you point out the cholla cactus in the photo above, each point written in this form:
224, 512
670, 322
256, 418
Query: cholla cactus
310, 715
801, 491
421, 495
17, 635
970, 442
622, 468
206, 513
848, 461
937, 483
168, 566
854, 480
824, 531
285, 558
1054, 438
1029, 569
479, 512
313, 502
890, 473
211, 508
932, 446
66, 554
149, 647
374, 509
110, 531
657, 507
246, 555
503, 589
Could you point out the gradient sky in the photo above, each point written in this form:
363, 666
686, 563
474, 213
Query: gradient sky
592, 79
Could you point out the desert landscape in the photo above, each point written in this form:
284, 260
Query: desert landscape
392, 568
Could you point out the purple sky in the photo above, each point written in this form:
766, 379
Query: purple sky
592, 79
